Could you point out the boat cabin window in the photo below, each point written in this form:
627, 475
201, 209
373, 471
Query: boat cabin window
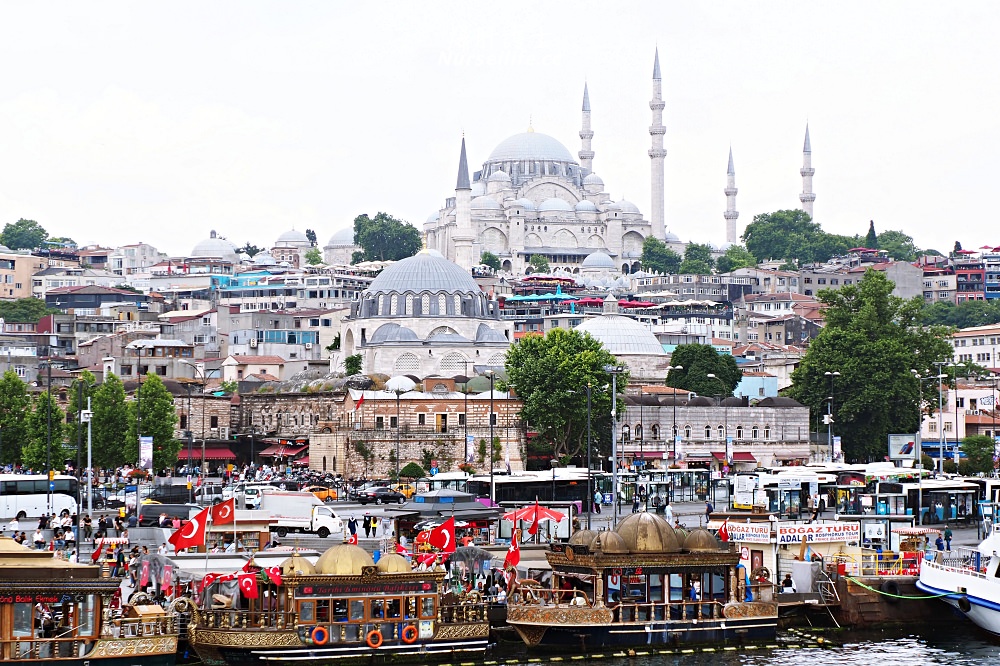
323, 610
427, 609
86, 615
307, 611
656, 587
676, 587
357, 607
378, 608
340, 610
392, 609
23, 614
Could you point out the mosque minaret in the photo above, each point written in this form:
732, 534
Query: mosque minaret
808, 196
586, 134
657, 152
731, 214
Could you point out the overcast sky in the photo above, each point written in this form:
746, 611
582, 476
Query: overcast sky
157, 122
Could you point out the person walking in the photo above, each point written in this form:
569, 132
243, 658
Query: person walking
668, 513
597, 501
939, 543
708, 511
374, 526
14, 526
947, 537
352, 525
366, 525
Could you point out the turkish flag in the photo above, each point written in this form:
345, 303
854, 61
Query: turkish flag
206, 581
533, 530
353, 539
248, 585
144, 574
401, 550
724, 531
224, 513
274, 573
360, 402
191, 534
168, 577
442, 537
96, 555
427, 559
513, 557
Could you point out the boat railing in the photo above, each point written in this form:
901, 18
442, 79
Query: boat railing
967, 561
245, 619
47, 648
140, 627
464, 612
673, 610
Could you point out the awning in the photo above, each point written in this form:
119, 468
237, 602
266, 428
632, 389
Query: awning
719, 455
303, 461
210, 454
915, 531
698, 456
743, 456
281, 451
648, 454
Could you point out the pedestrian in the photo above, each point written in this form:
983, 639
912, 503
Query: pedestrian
939, 543
635, 503
88, 527
366, 524
386, 526
374, 526
352, 525
947, 536
708, 510
14, 526
597, 501
668, 513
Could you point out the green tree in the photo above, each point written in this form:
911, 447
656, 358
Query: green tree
871, 240
155, 407
874, 340
899, 245
24, 310
736, 257
314, 257
75, 432
963, 315
699, 361
699, 252
44, 426
311, 236
487, 258
412, 470
352, 365
229, 388
551, 374
384, 238
23, 235
656, 256
978, 452
110, 423
792, 236
957, 249
538, 264
694, 267
14, 405
248, 249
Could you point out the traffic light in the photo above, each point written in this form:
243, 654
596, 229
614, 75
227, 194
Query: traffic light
52, 475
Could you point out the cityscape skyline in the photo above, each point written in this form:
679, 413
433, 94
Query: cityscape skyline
144, 123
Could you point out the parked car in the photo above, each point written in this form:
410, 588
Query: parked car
407, 489
381, 495
323, 493
355, 492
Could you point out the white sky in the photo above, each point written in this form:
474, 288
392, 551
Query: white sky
156, 122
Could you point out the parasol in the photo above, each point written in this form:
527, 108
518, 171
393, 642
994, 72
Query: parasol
527, 514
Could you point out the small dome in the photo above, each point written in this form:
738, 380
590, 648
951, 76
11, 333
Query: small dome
582, 537
393, 563
344, 560
555, 204
264, 258
732, 401
499, 177
434, 217
699, 401
216, 248
598, 261
671, 237
486, 334
648, 533
393, 333
425, 271
701, 540
622, 335
292, 237
343, 238
628, 207
526, 204
478, 189
586, 206
296, 565
609, 543
485, 203
613, 205
681, 535
593, 179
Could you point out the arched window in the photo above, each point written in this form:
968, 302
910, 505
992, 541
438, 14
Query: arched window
722, 432
708, 432
638, 432
626, 433
655, 431
767, 432
754, 433
687, 432
739, 432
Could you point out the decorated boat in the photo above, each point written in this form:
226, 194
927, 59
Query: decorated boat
967, 579
62, 612
643, 583
344, 609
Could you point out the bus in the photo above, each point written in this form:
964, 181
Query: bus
27, 495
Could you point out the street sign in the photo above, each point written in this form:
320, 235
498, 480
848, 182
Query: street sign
52, 485
434, 470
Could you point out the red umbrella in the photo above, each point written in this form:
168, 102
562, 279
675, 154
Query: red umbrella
527, 514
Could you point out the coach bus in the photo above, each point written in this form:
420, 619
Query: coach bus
27, 495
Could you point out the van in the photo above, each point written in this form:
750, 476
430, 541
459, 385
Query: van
149, 514
209, 494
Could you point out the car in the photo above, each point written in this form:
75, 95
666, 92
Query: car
381, 495
407, 489
323, 493
355, 492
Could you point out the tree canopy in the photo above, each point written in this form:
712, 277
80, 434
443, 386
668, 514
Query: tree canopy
159, 419
14, 404
311, 236
249, 249
978, 453
963, 315
697, 259
736, 257
871, 238
411, 470
899, 245
874, 340
656, 256
538, 263
45, 424
696, 363
25, 310
23, 235
551, 374
110, 423
314, 257
384, 238
487, 258
791, 235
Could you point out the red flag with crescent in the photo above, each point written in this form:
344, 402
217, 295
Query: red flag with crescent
353, 539
513, 557
274, 573
533, 530
224, 513
206, 581
248, 585
190, 534
168, 576
442, 537
144, 574
97, 553
724, 531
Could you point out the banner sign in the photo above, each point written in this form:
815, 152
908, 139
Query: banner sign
819, 532
902, 447
146, 453
749, 532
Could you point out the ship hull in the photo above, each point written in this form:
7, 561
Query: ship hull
442, 651
588, 638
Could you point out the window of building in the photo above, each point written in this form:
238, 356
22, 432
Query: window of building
379, 422
392, 422
754, 433
638, 432
739, 432
767, 432
708, 432
654, 431
626, 433
948, 426
421, 419
213, 422
687, 432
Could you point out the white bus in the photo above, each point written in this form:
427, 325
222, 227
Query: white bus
27, 495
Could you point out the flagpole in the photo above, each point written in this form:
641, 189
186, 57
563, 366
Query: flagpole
208, 523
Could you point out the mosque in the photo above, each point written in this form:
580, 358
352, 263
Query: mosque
532, 197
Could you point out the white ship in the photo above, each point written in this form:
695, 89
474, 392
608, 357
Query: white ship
969, 580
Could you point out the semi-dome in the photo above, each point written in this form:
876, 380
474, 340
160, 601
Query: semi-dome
526, 204
555, 204
296, 565
292, 237
701, 540
343, 238
699, 401
531, 146
215, 247
645, 532
628, 207
264, 258
622, 335
424, 272
478, 188
598, 261
393, 333
393, 563
582, 537
608, 543
434, 217
344, 560
485, 203
671, 237
499, 177
593, 179
586, 206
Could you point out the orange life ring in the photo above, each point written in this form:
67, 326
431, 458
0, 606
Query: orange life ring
374, 639
409, 634
320, 635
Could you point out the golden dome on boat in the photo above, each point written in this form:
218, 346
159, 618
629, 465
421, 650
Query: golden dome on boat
701, 540
648, 533
608, 543
344, 560
296, 565
582, 537
393, 563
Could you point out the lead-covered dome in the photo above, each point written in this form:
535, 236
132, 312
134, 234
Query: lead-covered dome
485, 203
555, 204
531, 146
424, 272
215, 247
586, 206
598, 261
343, 238
622, 335
293, 237
344, 560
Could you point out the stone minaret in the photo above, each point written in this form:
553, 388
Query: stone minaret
807, 197
657, 152
463, 236
586, 134
731, 214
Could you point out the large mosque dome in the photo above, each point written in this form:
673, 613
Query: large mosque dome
424, 271
343, 238
215, 247
531, 146
293, 237
622, 335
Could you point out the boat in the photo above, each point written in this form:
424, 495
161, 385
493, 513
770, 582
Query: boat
967, 579
642, 583
62, 612
344, 609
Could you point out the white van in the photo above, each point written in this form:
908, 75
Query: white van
248, 494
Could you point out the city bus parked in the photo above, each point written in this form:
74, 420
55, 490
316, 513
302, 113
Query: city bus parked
27, 495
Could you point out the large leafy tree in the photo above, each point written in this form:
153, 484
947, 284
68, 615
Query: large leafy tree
551, 374
656, 256
249, 249
159, 418
538, 263
26, 310
14, 405
696, 363
736, 257
978, 453
791, 235
487, 258
83, 387
23, 235
871, 239
314, 257
384, 238
44, 427
963, 315
899, 245
110, 424
874, 340
697, 259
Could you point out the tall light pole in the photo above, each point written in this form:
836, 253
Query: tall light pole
673, 427
725, 412
204, 386
492, 375
940, 377
614, 371
590, 495
918, 444
86, 416
397, 435
829, 411
48, 428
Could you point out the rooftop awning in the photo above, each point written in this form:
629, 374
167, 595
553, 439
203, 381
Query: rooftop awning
281, 451
743, 456
719, 455
210, 454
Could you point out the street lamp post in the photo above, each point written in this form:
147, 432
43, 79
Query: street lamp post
614, 371
204, 386
492, 375
590, 495
48, 430
86, 417
397, 435
918, 444
940, 378
673, 426
829, 412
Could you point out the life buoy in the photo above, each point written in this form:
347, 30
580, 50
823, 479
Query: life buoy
409, 634
374, 639
320, 635
964, 605
891, 590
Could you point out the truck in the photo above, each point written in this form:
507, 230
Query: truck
299, 511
